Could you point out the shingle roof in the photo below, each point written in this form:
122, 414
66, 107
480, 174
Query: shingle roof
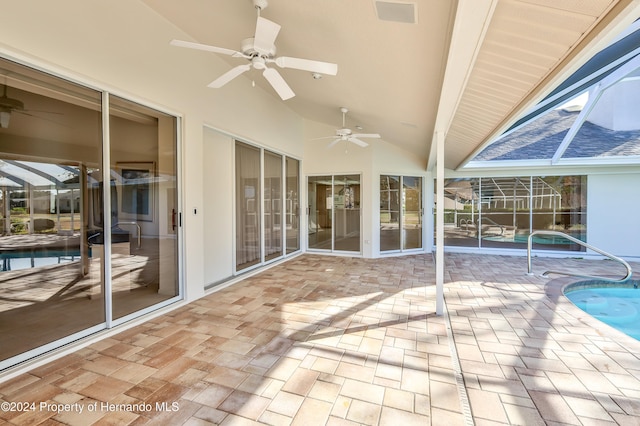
541, 138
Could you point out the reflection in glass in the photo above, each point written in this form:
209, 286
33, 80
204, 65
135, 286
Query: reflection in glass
50, 282
292, 206
461, 212
272, 205
501, 212
346, 204
248, 211
505, 205
143, 207
320, 197
560, 204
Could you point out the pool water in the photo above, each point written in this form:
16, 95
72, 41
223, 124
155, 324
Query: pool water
615, 306
537, 239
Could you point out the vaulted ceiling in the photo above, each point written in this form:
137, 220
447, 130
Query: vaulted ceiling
464, 68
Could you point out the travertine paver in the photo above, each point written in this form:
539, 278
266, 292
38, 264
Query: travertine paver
336, 340
315, 340
528, 356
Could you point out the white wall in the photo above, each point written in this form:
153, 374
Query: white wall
613, 207
218, 202
619, 107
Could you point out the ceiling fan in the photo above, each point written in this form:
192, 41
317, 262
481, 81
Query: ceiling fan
345, 134
260, 51
7, 106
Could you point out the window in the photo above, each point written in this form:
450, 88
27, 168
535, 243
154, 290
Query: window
501, 212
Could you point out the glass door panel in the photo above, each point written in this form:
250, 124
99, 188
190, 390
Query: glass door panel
412, 212
389, 213
504, 206
292, 205
560, 204
320, 197
144, 246
248, 211
346, 204
51, 281
461, 212
272, 205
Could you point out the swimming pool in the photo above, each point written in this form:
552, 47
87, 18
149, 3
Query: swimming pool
537, 239
25, 259
617, 305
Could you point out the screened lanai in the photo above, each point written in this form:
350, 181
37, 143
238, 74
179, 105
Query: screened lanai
40, 204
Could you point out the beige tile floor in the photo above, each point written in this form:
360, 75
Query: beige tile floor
333, 340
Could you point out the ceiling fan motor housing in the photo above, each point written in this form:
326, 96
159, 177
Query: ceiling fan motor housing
249, 48
9, 104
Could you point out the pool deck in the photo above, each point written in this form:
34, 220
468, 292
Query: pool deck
342, 341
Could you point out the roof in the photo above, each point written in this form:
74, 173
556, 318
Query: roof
540, 139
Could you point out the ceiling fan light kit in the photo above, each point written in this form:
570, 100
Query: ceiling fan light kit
260, 51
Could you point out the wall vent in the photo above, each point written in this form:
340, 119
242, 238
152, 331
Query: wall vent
396, 11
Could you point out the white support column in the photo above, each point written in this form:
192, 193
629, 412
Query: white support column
439, 140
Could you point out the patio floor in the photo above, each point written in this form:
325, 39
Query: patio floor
335, 340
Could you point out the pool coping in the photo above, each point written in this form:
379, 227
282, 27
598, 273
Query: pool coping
555, 292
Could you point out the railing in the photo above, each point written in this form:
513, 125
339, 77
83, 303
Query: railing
582, 243
483, 219
466, 223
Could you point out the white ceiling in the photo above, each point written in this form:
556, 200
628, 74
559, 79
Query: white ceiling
500, 56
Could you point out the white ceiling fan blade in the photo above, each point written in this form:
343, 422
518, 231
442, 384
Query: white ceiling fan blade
205, 47
228, 76
278, 83
358, 142
334, 142
307, 65
324, 137
266, 33
366, 135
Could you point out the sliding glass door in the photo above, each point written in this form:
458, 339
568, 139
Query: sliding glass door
63, 277
144, 247
266, 220
334, 213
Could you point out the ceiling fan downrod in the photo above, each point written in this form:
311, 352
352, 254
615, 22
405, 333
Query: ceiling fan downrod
260, 5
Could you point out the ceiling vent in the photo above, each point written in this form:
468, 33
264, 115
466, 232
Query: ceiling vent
396, 11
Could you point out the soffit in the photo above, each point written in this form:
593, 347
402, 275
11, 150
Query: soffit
527, 44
